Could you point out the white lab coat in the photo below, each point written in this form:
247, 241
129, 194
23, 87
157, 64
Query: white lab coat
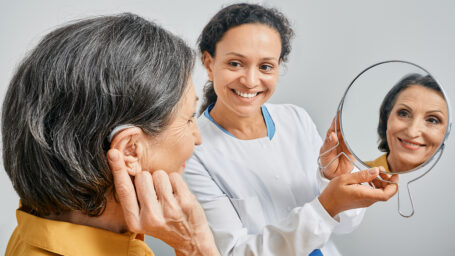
260, 195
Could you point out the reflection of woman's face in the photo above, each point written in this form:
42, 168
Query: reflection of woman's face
170, 149
416, 127
245, 68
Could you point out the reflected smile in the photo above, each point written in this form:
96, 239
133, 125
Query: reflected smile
412, 145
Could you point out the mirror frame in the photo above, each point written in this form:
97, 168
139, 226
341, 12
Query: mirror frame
447, 131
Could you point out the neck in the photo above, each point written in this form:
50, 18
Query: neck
397, 166
247, 127
112, 218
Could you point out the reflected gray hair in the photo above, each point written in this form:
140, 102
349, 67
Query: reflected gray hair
81, 81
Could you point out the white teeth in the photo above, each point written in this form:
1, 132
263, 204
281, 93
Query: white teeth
409, 143
245, 95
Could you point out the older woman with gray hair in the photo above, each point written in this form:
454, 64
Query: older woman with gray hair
116, 86
413, 118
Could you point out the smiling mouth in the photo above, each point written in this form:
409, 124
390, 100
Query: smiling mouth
246, 95
411, 144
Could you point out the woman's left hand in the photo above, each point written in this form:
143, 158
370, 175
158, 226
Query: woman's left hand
162, 206
341, 164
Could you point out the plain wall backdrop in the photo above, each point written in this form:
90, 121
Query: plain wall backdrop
334, 41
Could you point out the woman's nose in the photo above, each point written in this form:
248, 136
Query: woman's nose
251, 78
415, 128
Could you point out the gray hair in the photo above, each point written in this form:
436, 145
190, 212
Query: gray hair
80, 82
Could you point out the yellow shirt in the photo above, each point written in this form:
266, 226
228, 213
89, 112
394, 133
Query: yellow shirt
380, 161
39, 236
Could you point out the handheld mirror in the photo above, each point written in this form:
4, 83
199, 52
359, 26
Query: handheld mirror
396, 115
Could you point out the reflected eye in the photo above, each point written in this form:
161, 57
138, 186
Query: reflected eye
433, 120
403, 113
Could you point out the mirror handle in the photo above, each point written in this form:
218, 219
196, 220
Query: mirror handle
405, 205
404, 194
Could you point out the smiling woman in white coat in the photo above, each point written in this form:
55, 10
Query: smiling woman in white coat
256, 173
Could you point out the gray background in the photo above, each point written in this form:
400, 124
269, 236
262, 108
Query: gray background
334, 41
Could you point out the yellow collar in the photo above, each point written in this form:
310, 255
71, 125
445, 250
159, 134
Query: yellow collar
65, 238
380, 161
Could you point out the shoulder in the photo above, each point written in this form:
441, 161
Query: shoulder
287, 109
202, 121
213, 139
207, 128
291, 113
380, 161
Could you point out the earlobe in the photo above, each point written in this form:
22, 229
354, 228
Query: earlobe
207, 60
126, 141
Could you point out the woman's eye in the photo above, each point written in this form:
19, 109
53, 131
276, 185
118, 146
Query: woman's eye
403, 113
266, 67
191, 120
234, 64
433, 120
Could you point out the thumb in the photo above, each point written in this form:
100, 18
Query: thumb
330, 141
363, 176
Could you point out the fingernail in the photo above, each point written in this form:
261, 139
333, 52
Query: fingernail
112, 155
381, 169
373, 171
330, 137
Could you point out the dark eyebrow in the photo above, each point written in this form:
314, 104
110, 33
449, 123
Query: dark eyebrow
430, 111
408, 107
236, 54
242, 56
435, 111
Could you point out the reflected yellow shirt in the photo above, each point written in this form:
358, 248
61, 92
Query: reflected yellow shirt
380, 161
39, 236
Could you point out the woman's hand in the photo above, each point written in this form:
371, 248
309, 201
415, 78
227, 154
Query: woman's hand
346, 192
163, 208
340, 164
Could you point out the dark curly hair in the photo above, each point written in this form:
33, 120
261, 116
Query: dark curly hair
236, 15
391, 97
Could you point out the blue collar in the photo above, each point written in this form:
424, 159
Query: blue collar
270, 125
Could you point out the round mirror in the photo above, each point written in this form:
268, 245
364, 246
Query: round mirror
396, 115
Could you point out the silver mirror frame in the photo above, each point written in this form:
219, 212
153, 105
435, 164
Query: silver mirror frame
404, 195
448, 128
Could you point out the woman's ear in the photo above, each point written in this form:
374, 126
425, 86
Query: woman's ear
208, 60
128, 142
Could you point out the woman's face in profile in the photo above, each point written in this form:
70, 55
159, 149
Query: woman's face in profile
416, 127
171, 148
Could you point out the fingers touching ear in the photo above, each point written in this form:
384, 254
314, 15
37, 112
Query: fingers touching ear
130, 146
